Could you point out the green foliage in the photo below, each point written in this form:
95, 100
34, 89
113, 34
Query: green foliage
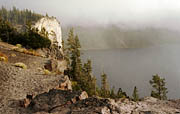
112, 93
105, 92
31, 38
73, 51
75, 86
158, 85
36, 39
135, 94
121, 94
7, 32
79, 73
89, 79
16, 16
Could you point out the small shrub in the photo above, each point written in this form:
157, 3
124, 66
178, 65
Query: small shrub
13, 55
18, 49
19, 45
75, 85
21, 65
46, 72
3, 57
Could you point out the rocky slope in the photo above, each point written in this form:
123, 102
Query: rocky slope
16, 83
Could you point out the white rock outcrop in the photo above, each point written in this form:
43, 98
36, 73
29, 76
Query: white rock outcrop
52, 26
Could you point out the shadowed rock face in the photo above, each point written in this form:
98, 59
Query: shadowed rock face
52, 26
76, 102
50, 101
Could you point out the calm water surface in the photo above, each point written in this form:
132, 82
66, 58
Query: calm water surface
127, 68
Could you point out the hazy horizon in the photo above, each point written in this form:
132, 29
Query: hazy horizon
123, 13
111, 24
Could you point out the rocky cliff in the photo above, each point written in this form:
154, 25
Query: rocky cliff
52, 26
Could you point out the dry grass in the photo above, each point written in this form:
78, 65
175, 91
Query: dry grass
13, 55
18, 48
3, 57
31, 52
21, 65
46, 72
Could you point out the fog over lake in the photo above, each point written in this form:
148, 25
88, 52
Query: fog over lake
127, 68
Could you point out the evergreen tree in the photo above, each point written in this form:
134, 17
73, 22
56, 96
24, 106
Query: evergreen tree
80, 75
16, 16
73, 51
158, 84
89, 79
135, 94
112, 93
104, 86
121, 94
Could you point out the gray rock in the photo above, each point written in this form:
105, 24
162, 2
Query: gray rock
54, 99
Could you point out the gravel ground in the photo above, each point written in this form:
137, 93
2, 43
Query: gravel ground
16, 83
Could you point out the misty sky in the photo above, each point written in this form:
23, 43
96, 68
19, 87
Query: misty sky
159, 13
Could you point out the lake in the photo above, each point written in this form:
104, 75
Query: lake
127, 68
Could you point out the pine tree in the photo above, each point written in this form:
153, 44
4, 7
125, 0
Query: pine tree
16, 16
158, 84
104, 86
73, 50
112, 93
89, 79
135, 94
78, 73
121, 94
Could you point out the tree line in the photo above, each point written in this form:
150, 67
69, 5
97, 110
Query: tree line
20, 17
83, 79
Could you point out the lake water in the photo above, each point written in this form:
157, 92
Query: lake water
127, 68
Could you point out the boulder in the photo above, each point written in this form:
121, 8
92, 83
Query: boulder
54, 99
54, 65
83, 95
64, 84
51, 65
